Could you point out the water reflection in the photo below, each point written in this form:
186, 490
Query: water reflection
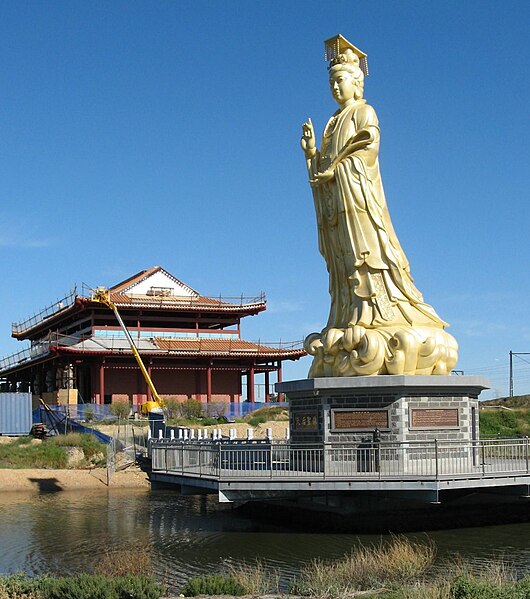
67, 532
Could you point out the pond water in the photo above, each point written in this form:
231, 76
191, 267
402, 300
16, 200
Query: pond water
67, 533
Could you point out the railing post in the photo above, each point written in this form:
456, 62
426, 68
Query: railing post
482, 458
324, 460
437, 469
219, 460
526, 452
200, 461
270, 459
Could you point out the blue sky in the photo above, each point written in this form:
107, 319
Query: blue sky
135, 134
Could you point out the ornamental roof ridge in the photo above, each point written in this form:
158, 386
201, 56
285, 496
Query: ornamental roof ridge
124, 286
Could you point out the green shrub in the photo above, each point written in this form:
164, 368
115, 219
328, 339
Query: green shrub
171, 408
256, 420
217, 410
87, 586
214, 584
266, 414
83, 586
470, 587
120, 409
191, 408
89, 414
467, 587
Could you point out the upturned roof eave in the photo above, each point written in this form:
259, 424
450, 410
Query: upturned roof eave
250, 308
292, 354
84, 302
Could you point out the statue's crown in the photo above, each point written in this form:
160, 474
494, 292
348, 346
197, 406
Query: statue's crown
338, 50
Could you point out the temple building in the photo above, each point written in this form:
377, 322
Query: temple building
191, 346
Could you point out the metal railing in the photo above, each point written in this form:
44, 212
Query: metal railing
220, 301
21, 327
25, 355
436, 460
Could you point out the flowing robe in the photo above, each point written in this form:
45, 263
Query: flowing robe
369, 275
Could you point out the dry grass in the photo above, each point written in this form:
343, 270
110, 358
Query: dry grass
496, 578
123, 562
254, 578
8, 595
496, 571
397, 562
13, 587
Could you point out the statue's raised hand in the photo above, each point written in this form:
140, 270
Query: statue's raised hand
308, 142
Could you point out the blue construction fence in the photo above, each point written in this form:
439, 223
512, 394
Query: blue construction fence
61, 420
79, 412
97, 412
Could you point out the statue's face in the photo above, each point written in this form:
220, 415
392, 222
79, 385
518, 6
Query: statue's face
342, 86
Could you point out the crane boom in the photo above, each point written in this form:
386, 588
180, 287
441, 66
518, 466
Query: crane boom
102, 295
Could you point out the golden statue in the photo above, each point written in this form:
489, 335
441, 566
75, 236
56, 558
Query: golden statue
378, 321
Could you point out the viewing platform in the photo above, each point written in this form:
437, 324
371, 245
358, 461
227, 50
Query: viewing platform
250, 471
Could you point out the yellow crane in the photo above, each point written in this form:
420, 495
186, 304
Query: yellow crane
102, 295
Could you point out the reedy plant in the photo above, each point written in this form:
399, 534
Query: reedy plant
397, 562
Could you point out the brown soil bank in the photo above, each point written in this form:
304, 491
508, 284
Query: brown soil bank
38, 479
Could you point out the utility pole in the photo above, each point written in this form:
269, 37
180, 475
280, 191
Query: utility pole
512, 354
511, 373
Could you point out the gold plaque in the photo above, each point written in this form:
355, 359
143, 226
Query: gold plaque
434, 418
360, 419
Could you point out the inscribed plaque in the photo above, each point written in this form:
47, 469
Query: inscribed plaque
305, 421
434, 418
360, 419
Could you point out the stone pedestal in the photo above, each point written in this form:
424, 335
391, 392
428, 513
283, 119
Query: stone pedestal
403, 408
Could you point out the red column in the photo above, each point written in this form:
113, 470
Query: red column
102, 382
209, 384
267, 395
250, 386
280, 379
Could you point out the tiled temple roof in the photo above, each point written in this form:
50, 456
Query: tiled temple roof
174, 347
133, 293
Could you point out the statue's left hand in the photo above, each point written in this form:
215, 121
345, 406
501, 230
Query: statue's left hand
321, 178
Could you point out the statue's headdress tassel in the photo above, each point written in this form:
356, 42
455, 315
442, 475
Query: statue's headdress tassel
338, 50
